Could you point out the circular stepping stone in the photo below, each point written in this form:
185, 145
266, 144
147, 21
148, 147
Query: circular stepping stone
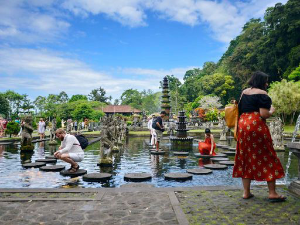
55, 168
199, 171
227, 163
232, 149
137, 177
158, 152
215, 166
225, 147
219, 159
79, 172
137, 185
34, 165
96, 177
50, 157
221, 146
178, 176
219, 155
105, 164
198, 155
181, 153
47, 160
228, 153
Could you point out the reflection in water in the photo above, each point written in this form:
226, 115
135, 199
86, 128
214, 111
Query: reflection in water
203, 162
41, 150
155, 164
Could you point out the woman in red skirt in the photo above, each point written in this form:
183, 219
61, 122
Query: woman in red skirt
208, 146
255, 156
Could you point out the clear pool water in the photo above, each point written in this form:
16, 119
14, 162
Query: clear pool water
134, 158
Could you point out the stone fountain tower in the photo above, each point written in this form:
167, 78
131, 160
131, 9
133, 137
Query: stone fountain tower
165, 103
181, 141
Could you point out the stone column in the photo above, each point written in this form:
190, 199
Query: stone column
295, 185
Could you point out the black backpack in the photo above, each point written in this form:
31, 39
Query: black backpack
84, 142
154, 126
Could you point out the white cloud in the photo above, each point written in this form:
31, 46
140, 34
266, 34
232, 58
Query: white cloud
43, 71
46, 20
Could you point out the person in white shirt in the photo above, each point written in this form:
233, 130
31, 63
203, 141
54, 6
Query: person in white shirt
152, 131
70, 150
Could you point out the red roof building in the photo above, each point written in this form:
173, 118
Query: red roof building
120, 109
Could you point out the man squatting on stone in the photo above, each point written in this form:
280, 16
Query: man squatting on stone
70, 150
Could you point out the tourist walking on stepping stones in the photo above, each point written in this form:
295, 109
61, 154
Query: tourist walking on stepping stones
158, 126
255, 156
208, 146
41, 128
70, 150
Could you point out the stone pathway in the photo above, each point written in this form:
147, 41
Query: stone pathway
227, 207
138, 203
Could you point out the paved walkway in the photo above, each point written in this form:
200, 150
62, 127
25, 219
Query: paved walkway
141, 204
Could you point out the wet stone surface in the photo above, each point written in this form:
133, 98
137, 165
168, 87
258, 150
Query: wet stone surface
229, 153
79, 172
114, 208
228, 207
95, 177
47, 160
137, 176
227, 163
215, 166
178, 176
35, 165
158, 152
55, 168
199, 171
219, 159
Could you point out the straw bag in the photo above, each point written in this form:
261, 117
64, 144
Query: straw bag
232, 116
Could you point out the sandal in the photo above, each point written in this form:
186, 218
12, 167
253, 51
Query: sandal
279, 199
74, 169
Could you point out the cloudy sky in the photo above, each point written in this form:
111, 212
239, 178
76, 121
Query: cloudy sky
49, 46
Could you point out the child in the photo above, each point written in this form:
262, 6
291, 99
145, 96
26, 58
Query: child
208, 146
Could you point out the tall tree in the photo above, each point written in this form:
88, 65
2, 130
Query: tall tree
75, 98
4, 105
132, 97
99, 95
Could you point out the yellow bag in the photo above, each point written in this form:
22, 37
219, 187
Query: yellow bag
231, 115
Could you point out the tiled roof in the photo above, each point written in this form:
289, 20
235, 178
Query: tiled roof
120, 109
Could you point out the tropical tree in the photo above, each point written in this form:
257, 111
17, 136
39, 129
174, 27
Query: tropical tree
4, 105
75, 98
285, 98
99, 95
132, 97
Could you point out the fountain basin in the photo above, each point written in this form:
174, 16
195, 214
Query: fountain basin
294, 147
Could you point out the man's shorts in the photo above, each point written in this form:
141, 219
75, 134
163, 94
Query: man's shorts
159, 134
77, 157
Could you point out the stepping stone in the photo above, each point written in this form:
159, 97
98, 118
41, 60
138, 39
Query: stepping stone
198, 155
137, 185
229, 153
219, 155
199, 171
55, 168
227, 163
158, 153
137, 177
221, 146
215, 166
219, 159
47, 160
178, 176
34, 165
79, 172
232, 149
96, 177
50, 157
226, 147
181, 153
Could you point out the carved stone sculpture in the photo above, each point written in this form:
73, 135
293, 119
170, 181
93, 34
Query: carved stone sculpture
26, 135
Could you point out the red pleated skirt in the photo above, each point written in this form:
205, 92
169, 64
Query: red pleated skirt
255, 157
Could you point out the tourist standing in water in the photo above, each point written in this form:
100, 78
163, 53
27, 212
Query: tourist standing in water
208, 146
42, 128
255, 156
158, 126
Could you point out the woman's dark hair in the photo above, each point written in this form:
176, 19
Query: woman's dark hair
207, 130
258, 80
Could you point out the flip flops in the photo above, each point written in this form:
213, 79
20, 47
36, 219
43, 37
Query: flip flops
250, 196
279, 199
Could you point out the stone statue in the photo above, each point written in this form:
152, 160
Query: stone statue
26, 135
69, 125
224, 128
276, 130
52, 133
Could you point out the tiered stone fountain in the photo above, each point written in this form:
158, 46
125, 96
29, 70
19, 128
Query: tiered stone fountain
165, 106
181, 141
